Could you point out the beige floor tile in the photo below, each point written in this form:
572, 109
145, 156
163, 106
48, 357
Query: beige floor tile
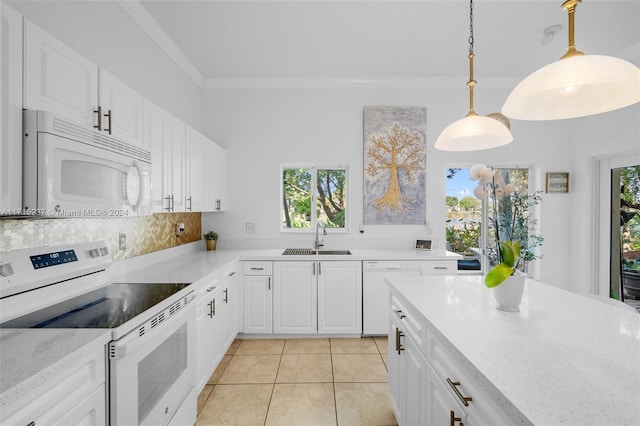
382, 344
233, 347
204, 395
300, 368
302, 404
385, 359
260, 347
251, 369
236, 405
358, 368
307, 346
365, 345
364, 404
219, 370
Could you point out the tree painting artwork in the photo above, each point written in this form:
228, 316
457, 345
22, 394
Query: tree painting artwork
394, 165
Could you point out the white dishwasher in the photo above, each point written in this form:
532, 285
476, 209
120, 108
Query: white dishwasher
375, 292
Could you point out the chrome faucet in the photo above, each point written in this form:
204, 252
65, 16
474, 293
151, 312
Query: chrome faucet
317, 243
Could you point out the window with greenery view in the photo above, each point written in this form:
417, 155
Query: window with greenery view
466, 216
313, 195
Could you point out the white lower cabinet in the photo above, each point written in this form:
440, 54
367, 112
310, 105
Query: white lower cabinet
73, 396
428, 385
323, 297
258, 301
340, 297
232, 302
209, 330
407, 378
295, 298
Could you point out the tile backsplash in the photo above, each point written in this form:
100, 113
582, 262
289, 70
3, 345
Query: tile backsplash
143, 234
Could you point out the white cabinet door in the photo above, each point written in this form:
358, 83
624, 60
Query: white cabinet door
258, 304
407, 383
216, 190
209, 337
154, 121
340, 297
295, 298
232, 299
121, 109
165, 136
175, 162
10, 109
197, 147
58, 79
441, 407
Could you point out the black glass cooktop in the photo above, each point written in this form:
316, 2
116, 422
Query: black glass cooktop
106, 307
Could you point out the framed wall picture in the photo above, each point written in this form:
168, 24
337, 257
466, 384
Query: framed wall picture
557, 182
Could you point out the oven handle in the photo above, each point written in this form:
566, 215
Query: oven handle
137, 339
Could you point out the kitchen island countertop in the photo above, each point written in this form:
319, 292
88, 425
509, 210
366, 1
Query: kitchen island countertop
563, 359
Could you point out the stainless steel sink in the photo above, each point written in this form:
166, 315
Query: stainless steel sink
311, 252
336, 252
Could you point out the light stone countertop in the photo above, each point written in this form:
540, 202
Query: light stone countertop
31, 357
563, 359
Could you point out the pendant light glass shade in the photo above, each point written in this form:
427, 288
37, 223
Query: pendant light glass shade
473, 133
577, 85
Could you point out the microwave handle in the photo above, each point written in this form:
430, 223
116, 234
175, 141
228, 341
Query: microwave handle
141, 184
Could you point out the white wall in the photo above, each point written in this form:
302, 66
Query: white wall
265, 128
106, 35
594, 138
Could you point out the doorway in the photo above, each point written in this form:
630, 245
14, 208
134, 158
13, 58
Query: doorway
625, 234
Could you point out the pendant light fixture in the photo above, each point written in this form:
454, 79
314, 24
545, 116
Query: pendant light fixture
577, 85
474, 132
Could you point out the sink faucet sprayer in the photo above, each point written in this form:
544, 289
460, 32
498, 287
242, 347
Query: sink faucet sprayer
317, 244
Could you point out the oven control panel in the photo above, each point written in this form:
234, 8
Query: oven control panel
26, 270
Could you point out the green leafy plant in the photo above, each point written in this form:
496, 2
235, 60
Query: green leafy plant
211, 235
509, 224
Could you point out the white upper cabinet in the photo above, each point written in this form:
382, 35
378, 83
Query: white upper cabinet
121, 109
197, 150
60, 80
10, 110
165, 136
216, 181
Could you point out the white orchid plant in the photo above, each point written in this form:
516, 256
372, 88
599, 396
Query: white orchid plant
510, 223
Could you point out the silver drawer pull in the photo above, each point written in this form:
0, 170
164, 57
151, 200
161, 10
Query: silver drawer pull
440, 267
454, 385
400, 314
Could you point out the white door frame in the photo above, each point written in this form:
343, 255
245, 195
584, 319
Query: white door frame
603, 215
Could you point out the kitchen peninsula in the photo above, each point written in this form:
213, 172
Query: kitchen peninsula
563, 359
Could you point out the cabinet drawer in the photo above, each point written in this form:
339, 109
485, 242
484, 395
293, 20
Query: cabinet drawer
445, 267
410, 323
59, 395
462, 383
257, 268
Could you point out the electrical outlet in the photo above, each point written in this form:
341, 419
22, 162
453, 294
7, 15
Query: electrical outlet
250, 228
122, 241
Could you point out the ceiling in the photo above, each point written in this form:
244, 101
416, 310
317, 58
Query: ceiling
245, 43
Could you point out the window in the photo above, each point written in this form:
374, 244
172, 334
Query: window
313, 195
466, 216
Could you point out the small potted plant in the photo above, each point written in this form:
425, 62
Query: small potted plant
211, 239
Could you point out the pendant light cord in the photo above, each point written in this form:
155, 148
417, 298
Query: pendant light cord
471, 83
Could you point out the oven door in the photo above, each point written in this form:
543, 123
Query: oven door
152, 373
76, 179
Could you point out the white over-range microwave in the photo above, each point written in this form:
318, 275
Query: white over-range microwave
72, 171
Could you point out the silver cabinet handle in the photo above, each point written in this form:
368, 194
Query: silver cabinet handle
257, 269
210, 304
108, 115
226, 295
269, 281
99, 125
189, 200
399, 335
319, 268
440, 267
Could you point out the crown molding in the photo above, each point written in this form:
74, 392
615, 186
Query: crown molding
144, 19
400, 82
